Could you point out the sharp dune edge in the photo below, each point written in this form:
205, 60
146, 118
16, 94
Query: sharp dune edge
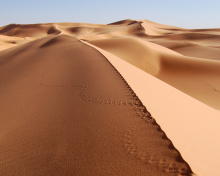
127, 98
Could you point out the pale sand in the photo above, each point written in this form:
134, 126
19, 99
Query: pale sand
191, 125
45, 93
10, 41
197, 77
190, 49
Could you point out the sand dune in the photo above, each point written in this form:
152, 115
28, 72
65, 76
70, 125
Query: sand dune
33, 30
156, 29
66, 110
198, 78
71, 113
186, 118
79, 30
190, 49
9, 41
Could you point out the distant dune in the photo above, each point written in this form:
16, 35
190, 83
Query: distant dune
132, 97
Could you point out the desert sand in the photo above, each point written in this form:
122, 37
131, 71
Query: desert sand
127, 98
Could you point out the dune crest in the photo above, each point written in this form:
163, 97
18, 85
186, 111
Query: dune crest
77, 116
175, 69
183, 118
133, 97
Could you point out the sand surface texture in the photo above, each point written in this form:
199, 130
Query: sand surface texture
65, 110
73, 98
192, 126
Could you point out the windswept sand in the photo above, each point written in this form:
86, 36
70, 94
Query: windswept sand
199, 78
192, 125
67, 107
67, 111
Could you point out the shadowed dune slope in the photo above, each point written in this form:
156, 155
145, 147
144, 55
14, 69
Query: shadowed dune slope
65, 110
123, 22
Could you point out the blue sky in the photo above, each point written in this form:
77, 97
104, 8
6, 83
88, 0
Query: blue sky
182, 13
